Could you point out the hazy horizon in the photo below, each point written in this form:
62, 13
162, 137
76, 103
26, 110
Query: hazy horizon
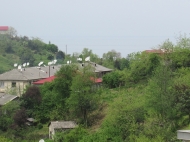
125, 26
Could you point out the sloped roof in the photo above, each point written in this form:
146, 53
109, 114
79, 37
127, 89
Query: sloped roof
42, 81
63, 124
29, 73
158, 51
5, 98
97, 67
34, 73
50, 79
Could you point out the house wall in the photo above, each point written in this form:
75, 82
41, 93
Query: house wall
51, 132
14, 87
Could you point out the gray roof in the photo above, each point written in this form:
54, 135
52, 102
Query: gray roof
97, 67
30, 73
30, 119
5, 98
63, 124
34, 73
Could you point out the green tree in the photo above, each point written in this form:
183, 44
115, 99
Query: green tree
109, 58
3, 139
159, 93
60, 55
7, 112
31, 99
113, 79
83, 99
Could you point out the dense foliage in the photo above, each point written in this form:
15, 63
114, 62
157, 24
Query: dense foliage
22, 49
145, 98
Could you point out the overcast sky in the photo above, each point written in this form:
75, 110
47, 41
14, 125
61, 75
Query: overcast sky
101, 25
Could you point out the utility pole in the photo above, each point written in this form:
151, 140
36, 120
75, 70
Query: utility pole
66, 50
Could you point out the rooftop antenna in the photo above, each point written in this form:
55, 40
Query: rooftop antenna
51, 63
25, 65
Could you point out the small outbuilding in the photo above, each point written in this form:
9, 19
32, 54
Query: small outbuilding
183, 135
60, 126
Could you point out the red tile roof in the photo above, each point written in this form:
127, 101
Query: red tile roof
42, 81
4, 28
154, 51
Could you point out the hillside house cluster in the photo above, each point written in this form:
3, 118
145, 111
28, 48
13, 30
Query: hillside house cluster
15, 81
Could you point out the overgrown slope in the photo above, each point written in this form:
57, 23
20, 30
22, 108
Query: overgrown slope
14, 49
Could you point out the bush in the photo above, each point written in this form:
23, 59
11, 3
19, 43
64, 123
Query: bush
40, 126
113, 79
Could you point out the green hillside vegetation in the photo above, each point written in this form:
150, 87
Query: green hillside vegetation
15, 49
146, 98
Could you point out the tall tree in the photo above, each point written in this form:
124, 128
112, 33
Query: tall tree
159, 93
83, 99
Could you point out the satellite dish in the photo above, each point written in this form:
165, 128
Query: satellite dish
15, 65
27, 63
55, 61
24, 65
49, 63
79, 59
19, 67
67, 62
41, 140
40, 63
87, 58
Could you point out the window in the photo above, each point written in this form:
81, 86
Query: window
1, 84
13, 84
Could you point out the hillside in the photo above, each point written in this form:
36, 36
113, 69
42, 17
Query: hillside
147, 100
14, 49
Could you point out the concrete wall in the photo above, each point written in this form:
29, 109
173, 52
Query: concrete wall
17, 90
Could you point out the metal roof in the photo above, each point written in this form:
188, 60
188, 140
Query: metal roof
63, 124
5, 98
42, 81
29, 73
34, 73
97, 67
